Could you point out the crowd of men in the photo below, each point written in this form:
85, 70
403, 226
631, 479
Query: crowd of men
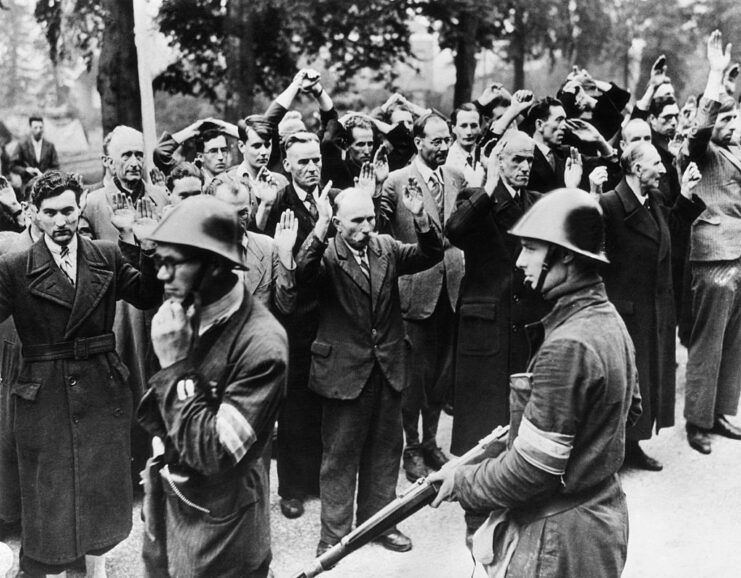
526, 261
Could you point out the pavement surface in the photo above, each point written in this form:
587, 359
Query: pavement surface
685, 522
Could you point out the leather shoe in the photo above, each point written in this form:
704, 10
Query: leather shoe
725, 428
414, 465
635, 457
292, 507
395, 541
435, 458
698, 438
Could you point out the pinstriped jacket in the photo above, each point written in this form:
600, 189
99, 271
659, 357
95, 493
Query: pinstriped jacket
716, 234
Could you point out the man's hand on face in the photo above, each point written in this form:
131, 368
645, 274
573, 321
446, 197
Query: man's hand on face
172, 332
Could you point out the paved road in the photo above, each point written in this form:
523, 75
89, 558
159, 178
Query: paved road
685, 522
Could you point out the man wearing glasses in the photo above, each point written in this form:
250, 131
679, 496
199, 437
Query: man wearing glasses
429, 298
212, 406
214, 156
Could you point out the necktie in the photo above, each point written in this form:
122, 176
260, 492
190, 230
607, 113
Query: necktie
310, 204
364, 266
551, 160
518, 200
436, 188
647, 204
469, 160
66, 264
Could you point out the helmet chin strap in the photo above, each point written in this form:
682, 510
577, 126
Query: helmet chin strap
547, 262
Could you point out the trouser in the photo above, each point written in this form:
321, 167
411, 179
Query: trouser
430, 372
362, 442
299, 442
714, 363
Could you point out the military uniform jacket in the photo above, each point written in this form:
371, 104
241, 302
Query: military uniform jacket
215, 412
72, 416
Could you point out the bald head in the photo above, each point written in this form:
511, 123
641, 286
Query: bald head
516, 159
636, 130
355, 218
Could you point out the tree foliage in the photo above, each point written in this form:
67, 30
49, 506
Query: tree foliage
73, 28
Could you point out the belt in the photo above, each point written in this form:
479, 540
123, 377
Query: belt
80, 348
562, 502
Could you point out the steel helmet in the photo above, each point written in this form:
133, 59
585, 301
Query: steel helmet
205, 223
569, 218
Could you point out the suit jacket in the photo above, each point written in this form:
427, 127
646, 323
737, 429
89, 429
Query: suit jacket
494, 309
638, 279
716, 234
72, 417
26, 157
266, 278
543, 178
360, 323
421, 292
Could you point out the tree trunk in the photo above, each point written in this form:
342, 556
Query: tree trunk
240, 60
465, 58
517, 50
118, 77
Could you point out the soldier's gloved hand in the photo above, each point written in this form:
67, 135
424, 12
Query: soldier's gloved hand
172, 332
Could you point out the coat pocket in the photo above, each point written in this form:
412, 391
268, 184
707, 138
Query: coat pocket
27, 390
321, 349
480, 331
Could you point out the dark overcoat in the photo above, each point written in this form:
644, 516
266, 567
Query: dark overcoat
495, 306
639, 283
72, 416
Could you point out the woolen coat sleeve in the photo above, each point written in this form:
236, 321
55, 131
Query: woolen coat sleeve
427, 252
283, 286
471, 206
140, 287
212, 438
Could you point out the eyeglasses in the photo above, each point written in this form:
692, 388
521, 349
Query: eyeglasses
438, 142
169, 263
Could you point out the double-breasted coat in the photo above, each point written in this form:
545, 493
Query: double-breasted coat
638, 279
72, 416
495, 306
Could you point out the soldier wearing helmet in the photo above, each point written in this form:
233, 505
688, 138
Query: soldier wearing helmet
557, 483
212, 406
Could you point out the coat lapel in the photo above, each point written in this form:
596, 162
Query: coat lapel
430, 204
45, 279
378, 261
637, 216
508, 212
255, 264
94, 277
734, 160
349, 265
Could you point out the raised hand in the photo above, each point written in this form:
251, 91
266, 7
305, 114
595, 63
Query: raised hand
157, 177
264, 187
573, 170
324, 205
521, 101
597, 179
658, 73
145, 221
123, 213
583, 130
7, 197
413, 198
718, 58
286, 232
690, 178
381, 164
367, 180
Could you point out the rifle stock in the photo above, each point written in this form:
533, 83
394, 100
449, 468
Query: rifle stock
420, 494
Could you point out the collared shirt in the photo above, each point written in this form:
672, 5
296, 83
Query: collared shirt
37, 148
509, 188
56, 253
459, 158
218, 312
546, 150
303, 195
360, 257
427, 173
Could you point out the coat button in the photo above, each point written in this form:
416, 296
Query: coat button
75, 419
373, 332
118, 412
516, 298
515, 328
73, 381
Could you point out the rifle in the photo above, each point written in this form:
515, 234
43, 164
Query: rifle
419, 495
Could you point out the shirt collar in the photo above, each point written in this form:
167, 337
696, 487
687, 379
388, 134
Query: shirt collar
56, 249
544, 148
219, 311
243, 170
426, 171
510, 190
302, 193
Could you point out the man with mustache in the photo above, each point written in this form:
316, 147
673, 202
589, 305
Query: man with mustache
72, 403
360, 354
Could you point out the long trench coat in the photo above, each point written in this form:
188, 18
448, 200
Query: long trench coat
72, 416
638, 279
495, 306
